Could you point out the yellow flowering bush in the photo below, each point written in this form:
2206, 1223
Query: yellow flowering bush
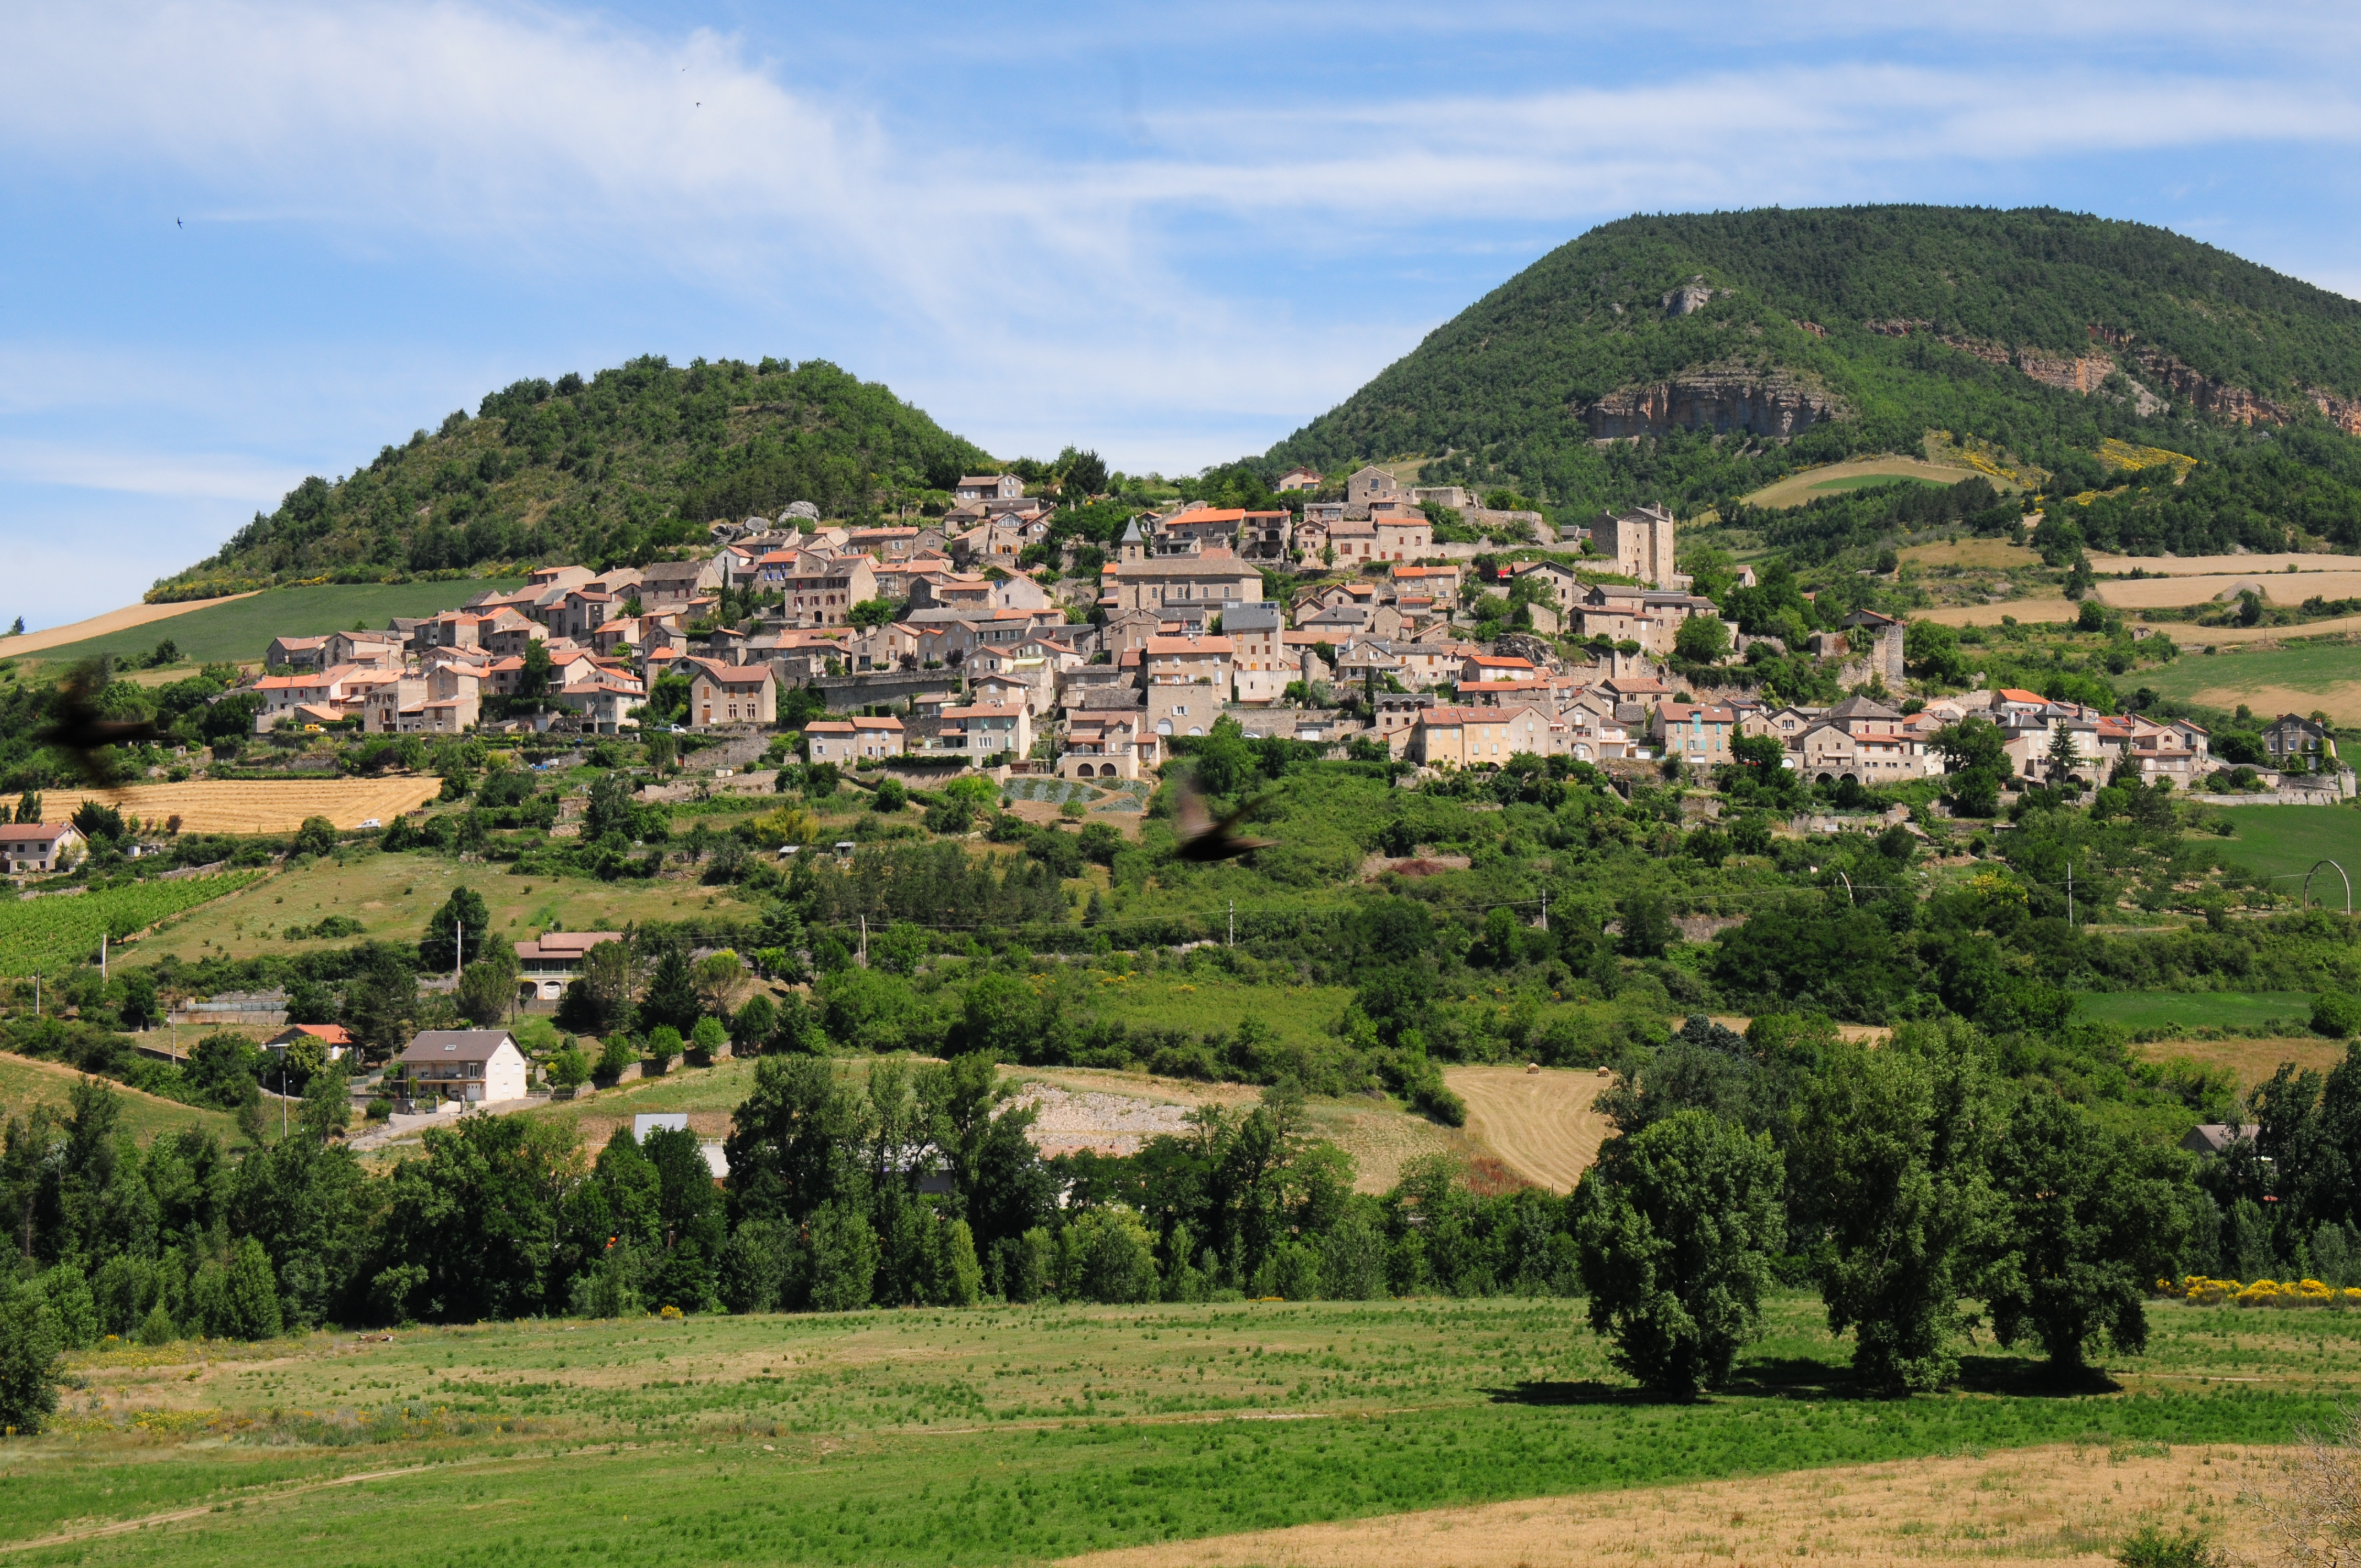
2201, 1291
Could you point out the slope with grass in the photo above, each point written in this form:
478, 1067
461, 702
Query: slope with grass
1018, 1434
1696, 358
239, 629
2284, 842
2144, 1011
24, 1083
391, 896
2292, 677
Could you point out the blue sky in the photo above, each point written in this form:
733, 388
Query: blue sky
240, 243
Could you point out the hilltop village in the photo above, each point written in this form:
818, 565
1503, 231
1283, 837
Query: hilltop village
1344, 623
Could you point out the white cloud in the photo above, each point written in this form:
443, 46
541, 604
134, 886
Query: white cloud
139, 472
1011, 282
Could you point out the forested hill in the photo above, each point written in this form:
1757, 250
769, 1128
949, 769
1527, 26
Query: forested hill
604, 470
1737, 345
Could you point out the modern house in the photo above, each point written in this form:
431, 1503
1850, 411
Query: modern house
545, 964
38, 846
473, 1065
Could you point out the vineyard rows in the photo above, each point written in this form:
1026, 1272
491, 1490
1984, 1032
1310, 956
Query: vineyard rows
54, 933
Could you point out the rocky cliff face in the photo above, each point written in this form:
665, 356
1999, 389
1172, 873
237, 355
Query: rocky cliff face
1760, 402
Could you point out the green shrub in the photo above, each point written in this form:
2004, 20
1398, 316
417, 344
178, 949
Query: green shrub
2335, 1015
28, 1359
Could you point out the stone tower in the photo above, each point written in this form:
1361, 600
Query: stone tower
1639, 543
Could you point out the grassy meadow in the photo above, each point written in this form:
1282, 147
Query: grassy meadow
392, 895
1013, 1434
2294, 677
2286, 841
242, 629
2146, 1010
24, 1083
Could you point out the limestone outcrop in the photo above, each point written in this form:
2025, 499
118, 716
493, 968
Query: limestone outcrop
1766, 402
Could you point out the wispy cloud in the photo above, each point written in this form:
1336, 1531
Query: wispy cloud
1214, 260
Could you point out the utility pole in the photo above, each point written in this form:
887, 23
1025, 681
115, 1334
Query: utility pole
1544, 909
1234, 924
865, 941
2069, 895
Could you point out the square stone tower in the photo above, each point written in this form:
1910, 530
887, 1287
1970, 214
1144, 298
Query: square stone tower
1639, 543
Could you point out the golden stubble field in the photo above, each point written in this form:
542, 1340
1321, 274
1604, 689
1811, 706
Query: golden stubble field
1540, 1125
2051, 1504
239, 806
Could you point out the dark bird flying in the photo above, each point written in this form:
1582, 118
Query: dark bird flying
1203, 838
76, 727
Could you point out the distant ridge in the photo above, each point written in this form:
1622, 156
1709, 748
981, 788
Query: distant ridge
1693, 359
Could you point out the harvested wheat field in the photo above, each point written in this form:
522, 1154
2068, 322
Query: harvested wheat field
2215, 565
2282, 588
1540, 1125
2027, 1506
239, 806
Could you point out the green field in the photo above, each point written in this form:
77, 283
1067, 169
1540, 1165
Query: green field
55, 933
2146, 1010
24, 1083
2296, 677
1014, 1435
2285, 842
242, 629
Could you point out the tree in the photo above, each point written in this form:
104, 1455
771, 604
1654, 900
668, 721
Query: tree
2063, 759
1648, 927
871, 612
317, 837
1676, 1228
487, 988
671, 998
28, 1359
721, 979
1888, 1177
567, 1067
533, 681
2094, 1218
598, 1001
1702, 639
464, 917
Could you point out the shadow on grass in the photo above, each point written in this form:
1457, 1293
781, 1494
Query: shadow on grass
2021, 1378
1802, 1378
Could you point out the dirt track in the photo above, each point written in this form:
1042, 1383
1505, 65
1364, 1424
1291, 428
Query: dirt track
100, 625
2035, 1506
1539, 1124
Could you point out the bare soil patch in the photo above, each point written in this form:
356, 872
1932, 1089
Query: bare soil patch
1119, 1111
2031, 1505
238, 805
1989, 555
100, 625
2034, 610
1539, 1124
